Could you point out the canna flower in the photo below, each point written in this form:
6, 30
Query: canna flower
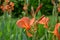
8, 7
25, 22
5, 7
56, 30
11, 4
44, 20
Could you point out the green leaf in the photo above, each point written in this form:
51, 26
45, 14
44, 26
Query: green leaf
41, 30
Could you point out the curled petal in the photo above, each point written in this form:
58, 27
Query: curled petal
56, 32
38, 8
29, 34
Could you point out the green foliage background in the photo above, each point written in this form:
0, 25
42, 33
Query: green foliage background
10, 31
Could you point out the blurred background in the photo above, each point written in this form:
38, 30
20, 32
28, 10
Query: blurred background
18, 7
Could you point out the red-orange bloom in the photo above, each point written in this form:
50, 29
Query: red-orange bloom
11, 4
24, 22
56, 32
44, 20
7, 7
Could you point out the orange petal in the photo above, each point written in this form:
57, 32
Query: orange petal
27, 26
20, 23
56, 30
44, 20
32, 21
24, 23
29, 34
12, 4
7, 7
45, 26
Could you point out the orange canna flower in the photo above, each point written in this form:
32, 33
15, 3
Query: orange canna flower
24, 22
56, 31
44, 20
7, 7
11, 4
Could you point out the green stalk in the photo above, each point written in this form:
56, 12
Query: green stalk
34, 34
55, 17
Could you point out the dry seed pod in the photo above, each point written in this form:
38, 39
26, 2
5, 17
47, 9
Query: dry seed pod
32, 11
38, 8
53, 2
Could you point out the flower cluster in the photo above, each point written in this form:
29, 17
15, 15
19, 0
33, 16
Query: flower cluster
27, 23
7, 6
30, 24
